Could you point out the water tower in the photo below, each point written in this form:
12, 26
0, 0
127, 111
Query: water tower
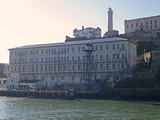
88, 66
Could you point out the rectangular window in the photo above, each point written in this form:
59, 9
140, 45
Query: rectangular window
79, 66
72, 49
64, 50
155, 21
64, 67
113, 56
67, 58
117, 46
118, 65
78, 57
73, 67
96, 57
122, 65
101, 66
36, 68
107, 56
72, 58
155, 26
79, 49
127, 26
117, 56
41, 68
58, 67
132, 25
54, 67
113, 66
107, 66
96, 66
64, 58
101, 47
101, 57
122, 46
55, 51
107, 47
96, 48
61, 58
113, 46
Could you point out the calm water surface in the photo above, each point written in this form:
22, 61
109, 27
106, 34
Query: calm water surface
45, 109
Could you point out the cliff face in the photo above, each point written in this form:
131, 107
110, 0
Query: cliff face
148, 65
155, 59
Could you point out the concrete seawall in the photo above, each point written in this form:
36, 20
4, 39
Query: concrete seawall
115, 93
35, 94
132, 93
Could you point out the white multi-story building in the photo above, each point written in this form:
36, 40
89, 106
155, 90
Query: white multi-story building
60, 63
88, 32
145, 24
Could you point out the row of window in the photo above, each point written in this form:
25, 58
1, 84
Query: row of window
64, 67
66, 58
65, 50
146, 23
52, 78
151, 27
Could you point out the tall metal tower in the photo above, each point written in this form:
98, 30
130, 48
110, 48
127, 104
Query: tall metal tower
88, 66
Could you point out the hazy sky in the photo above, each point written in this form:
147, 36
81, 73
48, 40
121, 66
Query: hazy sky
25, 22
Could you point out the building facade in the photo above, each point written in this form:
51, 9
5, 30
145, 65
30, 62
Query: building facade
62, 63
145, 24
88, 32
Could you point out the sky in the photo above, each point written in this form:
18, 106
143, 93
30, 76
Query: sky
27, 22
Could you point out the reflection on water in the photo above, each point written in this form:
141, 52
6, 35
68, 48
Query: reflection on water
45, 109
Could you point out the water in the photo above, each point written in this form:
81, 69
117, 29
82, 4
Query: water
45, 109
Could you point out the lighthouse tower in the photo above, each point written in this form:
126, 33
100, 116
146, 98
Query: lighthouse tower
111, 33
110, 19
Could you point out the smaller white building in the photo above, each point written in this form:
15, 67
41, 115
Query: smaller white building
88, 32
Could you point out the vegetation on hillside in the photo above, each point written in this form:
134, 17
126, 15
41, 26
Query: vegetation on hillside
140, 83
